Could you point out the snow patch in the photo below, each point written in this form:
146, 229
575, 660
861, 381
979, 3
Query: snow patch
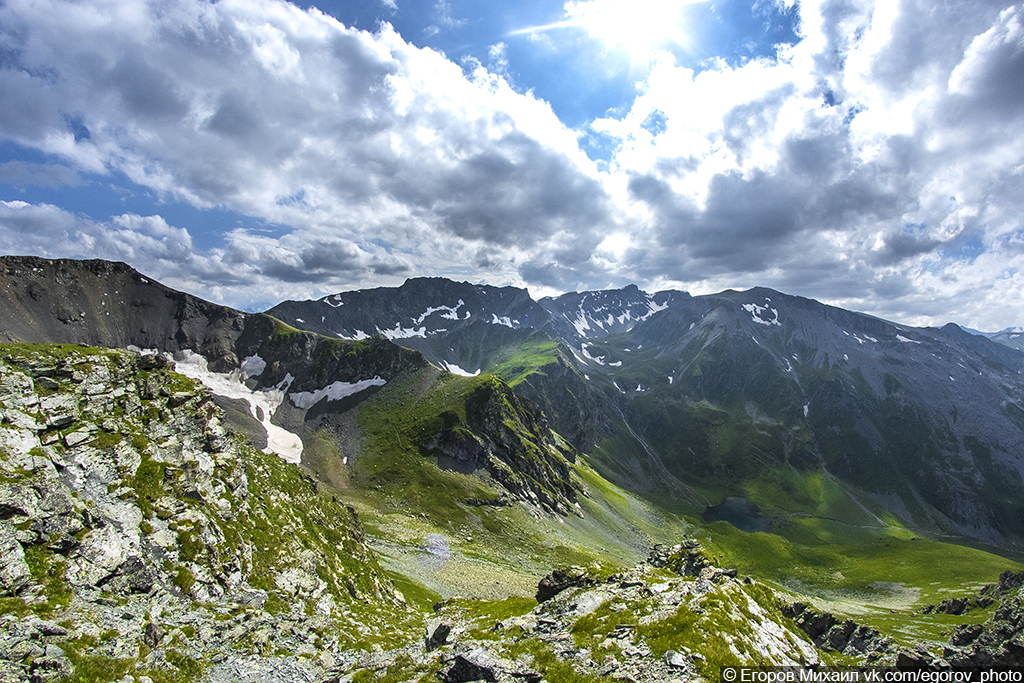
333, 392
403, 332
253, 366
616, 364
456, 370
581, 324
597, 359
905, 340
336, 297
262, 404
757, 314
503, 320
300, 320
451, 313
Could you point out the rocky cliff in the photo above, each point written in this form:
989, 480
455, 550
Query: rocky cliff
137, 535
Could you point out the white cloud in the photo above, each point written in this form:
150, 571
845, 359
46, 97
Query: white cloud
289, 116
877, 162
825, 173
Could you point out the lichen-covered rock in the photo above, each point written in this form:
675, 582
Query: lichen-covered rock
128, 511
14, 571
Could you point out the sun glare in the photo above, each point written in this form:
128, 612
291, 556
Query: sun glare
637, 26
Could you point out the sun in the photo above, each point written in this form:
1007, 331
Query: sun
638, 26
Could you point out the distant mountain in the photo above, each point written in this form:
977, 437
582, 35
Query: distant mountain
283, 387
670, 392
1011, 336
806, 410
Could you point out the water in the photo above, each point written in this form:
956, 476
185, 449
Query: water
739, 512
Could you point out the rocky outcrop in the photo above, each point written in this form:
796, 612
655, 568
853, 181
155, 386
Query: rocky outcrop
138, 532
999, 642
509, 438
839, 635
645, 625
110, 304
561, 579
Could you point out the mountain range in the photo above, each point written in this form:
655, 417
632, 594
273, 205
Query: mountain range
713, 392
483, 436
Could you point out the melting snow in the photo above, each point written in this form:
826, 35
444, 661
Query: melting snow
334, 392
456, 370
756, 312
503, 320
450, 314
655, 307
300, 320
905, 340
253, 366
262, 404
336, 297
403, 332
596, 359
580, 323
356, 337
616, 364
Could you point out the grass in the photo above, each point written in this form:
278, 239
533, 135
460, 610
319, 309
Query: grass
516, 363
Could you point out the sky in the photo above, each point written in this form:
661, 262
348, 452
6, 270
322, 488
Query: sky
866, 154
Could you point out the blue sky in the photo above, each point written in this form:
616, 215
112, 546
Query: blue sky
863, 153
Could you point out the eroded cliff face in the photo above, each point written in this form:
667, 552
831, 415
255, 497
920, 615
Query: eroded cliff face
134, 528
509, 437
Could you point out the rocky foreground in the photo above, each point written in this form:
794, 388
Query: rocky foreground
141, 541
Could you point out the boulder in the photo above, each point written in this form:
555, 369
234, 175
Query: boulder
561, 579
14, 571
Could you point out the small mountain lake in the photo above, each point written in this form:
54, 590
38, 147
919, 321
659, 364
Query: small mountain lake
739, 512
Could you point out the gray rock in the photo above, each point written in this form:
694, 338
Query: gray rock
560, 579
439, 637
132, 576
14, 571
152, 634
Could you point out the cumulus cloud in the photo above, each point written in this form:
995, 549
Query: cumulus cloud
249, 271
876, 163
854, 168
361, 143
